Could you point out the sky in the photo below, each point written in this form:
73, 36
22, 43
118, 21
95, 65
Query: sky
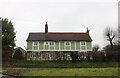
61, 16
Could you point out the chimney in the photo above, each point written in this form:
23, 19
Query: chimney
46, 28
88, 30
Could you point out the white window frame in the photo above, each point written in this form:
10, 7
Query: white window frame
34, 54
33, 44
52, 45
45, 43
67, 45
82, 44
67, 42
48, 44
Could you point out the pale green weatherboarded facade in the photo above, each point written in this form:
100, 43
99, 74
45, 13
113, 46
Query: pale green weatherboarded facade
41, 51
59, 45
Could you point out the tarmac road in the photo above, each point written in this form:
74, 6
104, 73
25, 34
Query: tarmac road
5, 76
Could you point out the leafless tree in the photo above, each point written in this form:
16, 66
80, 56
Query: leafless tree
110, 35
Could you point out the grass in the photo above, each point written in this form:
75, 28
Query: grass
67, 72
53, 64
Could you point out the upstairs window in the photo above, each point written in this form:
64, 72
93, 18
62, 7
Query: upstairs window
35, 43
46, 43
52, 43
67, 44
83, 43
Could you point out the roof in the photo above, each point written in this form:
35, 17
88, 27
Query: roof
57, 36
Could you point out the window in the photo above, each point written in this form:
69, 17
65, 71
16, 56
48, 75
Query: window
46, 43
52, 43
34, 54
49, 43
67, 44
35, 43
83, 43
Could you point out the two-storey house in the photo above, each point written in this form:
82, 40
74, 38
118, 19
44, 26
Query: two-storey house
51, 45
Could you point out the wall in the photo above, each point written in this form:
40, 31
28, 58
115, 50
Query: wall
60, 45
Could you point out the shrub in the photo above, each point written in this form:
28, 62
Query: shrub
18, 55
98, 56
113, 52
74, 56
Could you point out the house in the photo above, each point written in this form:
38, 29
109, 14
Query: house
57, 45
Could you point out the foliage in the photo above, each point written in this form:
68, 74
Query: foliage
74, 56
66, 72
18, 55
8, 35
98, 56
55, 64
113, 52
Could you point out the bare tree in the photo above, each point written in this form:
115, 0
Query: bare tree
110, 35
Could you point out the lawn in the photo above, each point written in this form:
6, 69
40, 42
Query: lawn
66, 72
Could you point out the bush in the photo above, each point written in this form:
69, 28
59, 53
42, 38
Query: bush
74, 56
113, 52
98, 56
18, 55
7, 55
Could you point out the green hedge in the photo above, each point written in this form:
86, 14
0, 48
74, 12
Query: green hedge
55, 64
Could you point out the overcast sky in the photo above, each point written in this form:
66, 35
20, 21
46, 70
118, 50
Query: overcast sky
62, 16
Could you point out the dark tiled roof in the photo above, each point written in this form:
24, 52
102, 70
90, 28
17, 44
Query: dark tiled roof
57, 36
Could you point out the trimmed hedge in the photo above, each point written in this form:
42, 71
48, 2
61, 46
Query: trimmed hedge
55, 64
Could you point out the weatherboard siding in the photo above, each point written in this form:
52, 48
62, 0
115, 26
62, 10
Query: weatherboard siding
72, 45
59, 45
77, 45
29, 45
89, 45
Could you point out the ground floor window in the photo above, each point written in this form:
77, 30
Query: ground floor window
34, 54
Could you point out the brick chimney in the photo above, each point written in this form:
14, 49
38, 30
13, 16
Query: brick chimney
46, 28
88, 30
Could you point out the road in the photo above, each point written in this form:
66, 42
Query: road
6, 76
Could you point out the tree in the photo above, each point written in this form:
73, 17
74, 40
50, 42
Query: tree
8, 37
110, 35
95, 48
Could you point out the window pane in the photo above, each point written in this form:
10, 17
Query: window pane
51, 43
35, 43
67, 43
34, 54
83, 43
46, 43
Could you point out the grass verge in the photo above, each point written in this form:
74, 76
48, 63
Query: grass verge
67, 72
